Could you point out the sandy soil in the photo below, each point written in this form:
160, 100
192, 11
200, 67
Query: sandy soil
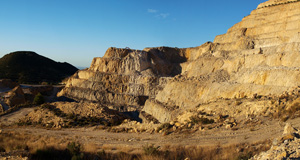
13, 117
133, 142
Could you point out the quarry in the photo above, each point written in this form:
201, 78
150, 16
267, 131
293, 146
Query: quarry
237, 97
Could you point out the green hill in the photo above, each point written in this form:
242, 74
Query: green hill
29, 67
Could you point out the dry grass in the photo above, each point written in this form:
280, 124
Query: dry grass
13, 141
234, 152
44, 147
290, 111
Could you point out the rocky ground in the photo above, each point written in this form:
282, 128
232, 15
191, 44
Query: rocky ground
284, 147
131, 136
97, 138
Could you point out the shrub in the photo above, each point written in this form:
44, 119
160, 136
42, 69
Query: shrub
238, 102
102, 153
164, 126
150, 150
39, 99
50, 154
294, 108
2, 149
74, 148
197, 120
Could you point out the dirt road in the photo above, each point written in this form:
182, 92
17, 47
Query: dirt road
133, 142
13, 117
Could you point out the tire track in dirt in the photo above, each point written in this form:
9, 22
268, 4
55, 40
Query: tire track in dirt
117, 141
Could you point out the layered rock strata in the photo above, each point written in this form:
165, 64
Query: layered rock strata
257, 56
125, 78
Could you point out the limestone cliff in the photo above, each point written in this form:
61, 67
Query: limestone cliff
257, 56
125, 78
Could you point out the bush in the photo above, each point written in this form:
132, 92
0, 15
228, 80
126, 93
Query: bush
150, 150
74, 148
197, 120
164, 126
39, 99
2, 149
50, 154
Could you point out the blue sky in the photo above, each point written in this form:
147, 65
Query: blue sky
75, 31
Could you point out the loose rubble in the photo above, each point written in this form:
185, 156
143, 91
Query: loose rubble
285, 147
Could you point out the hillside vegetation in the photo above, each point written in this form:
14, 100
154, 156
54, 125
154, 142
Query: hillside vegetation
29, 67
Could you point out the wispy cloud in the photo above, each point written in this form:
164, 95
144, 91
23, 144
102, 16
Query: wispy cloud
158, 14
152, 11
163, 15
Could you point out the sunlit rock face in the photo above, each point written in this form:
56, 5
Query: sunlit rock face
124, 77
257, 56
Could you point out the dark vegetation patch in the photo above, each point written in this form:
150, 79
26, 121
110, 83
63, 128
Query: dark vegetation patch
31, 68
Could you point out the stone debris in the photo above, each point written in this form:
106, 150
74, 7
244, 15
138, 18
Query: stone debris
68, 114
285, 147
14, 158
288, 129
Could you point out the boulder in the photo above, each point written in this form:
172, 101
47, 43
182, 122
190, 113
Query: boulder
288, 129
15, 97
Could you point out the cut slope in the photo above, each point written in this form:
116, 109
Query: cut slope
257, 57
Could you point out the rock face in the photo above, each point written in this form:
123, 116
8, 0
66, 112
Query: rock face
15, 97
258, 56
125, 78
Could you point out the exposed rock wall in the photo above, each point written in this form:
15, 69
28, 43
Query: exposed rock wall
125, 77
257, 56
15, 97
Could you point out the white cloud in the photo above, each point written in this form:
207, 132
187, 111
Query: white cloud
158, 14
152, 11
163, 15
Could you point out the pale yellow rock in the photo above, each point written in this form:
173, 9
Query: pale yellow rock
228, 126
257, 56
274, 2
288, 129
177, 124
172, 123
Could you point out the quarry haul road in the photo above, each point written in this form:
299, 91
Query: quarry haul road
13, 117
134, 142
